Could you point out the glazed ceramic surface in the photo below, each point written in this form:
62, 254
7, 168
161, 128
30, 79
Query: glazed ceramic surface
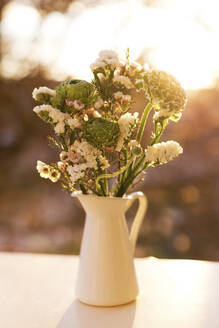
106, 275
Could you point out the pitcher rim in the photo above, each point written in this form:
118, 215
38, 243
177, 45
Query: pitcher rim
80, 194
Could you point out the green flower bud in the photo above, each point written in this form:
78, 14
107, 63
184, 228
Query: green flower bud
101, 133
74, 90
136, 150
165, 91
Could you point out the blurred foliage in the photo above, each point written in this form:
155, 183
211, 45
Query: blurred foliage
37, 216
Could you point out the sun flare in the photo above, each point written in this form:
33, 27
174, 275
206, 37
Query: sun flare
182, 37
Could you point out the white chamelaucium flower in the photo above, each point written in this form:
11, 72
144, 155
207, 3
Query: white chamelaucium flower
125, 122
124, 80
43, 169
54, 175
44, 90
163, 152
99, 103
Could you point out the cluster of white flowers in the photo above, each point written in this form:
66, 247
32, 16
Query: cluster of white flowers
42, 90
59, 118
47, 172
106, 58
120, 96
123, 80
163, 152
125, 122
84, 156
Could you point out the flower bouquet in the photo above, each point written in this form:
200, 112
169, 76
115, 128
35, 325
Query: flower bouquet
101, 158
98, 137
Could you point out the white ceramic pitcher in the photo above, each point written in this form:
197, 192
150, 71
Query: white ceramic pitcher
106, 275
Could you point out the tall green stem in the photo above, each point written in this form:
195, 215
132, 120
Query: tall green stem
144, 117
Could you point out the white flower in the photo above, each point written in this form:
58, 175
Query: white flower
133, 67
58, 117
43, 169
54, 175
133, 143
86, 118
108, 54
124, 80
97, 64
106, 58
43, 90
122, 97
60, 127
163, 152
61, 166
75, 172
125, 122
99, 103
73, 123
118, 95
84, 156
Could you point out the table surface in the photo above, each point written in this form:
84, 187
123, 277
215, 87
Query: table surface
37, 291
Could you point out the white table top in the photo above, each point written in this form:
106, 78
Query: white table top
37, 291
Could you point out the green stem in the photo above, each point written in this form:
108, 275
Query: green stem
143, 121
159, 129
112, 175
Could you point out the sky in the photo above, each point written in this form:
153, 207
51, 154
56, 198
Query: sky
180, 37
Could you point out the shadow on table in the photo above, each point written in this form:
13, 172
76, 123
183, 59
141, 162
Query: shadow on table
84, 316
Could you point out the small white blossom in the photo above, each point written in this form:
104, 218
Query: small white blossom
99, 103
163, 152
125, 122
73, 123
108, 54
97, 64
133, 143
43, 169
61, 166
54, 175
133, 67
124, 80
86, 117
122, 97
106, 58
44, 90
75, 172
60, 127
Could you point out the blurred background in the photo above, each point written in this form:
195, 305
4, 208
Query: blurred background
44, 42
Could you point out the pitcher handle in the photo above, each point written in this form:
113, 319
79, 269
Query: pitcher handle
138, 217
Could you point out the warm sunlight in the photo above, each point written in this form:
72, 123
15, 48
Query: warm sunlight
181, 37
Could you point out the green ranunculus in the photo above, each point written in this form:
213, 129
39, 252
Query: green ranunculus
101, 133
74, 90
